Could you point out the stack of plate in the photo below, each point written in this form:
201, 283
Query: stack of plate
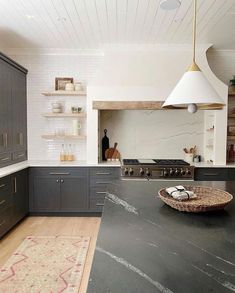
57, 107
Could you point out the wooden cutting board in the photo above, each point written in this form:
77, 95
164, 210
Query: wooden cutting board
112, 153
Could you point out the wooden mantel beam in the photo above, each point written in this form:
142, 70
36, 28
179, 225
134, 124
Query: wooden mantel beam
127, 105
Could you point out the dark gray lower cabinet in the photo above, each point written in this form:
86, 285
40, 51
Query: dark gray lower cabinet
212, 174
46, 194
13, 200
69, 189
20, 195
59, 190
100, 178
74, 193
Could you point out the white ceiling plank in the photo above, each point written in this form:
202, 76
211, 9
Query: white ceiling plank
90, 8
91, 24
102, 16
19, 24
132, 10
121, 20
111, 20
215, 18
79, 22
203, 13
142, 10
47, 25
64, 24
177, 21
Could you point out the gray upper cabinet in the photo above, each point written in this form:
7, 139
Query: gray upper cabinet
5, 112
19, 115
13, 117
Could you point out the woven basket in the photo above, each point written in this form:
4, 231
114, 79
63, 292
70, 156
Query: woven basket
208, 199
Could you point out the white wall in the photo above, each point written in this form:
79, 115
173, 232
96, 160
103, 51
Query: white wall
222, 63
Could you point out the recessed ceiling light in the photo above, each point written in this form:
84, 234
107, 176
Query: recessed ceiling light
29, 16
170, 4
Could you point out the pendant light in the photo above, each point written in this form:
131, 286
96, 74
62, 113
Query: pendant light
194, 91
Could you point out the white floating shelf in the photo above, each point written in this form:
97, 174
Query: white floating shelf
58, 137
64, 93
64, 115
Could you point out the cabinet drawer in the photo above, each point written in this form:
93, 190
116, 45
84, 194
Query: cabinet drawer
5, 221
96, 205
98, 193
5, 187
105, 172
5, 159
19, 156
208, 174
59, 171
232, 174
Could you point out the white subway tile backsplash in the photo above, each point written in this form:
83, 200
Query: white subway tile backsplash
41, 77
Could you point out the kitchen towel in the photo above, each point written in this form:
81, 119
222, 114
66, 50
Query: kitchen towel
180, 193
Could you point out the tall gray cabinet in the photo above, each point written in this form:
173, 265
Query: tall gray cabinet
13, 112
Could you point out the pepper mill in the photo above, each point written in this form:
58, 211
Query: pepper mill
105, 144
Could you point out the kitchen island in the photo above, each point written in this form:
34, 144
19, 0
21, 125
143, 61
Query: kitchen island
145, 246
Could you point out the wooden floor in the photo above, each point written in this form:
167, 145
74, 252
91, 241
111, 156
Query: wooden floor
49, 226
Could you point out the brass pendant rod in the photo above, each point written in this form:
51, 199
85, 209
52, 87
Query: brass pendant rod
194, 30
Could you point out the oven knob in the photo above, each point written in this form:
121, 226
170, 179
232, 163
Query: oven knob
131, 171
182, 172
171, 172
147, 172
177, 172
188, 172
141, 171
165, 173
126, 171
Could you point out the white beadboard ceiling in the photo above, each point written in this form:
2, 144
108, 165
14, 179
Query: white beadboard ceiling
90, 24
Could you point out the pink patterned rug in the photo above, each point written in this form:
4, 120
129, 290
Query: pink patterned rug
45, 264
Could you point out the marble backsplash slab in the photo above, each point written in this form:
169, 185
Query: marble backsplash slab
153, 134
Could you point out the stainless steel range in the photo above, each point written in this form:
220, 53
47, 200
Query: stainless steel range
157, 169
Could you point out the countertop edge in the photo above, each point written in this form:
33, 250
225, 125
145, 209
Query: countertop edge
5, 171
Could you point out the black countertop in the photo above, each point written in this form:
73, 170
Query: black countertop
145, 246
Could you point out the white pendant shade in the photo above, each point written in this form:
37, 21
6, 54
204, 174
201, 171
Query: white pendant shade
193, 88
